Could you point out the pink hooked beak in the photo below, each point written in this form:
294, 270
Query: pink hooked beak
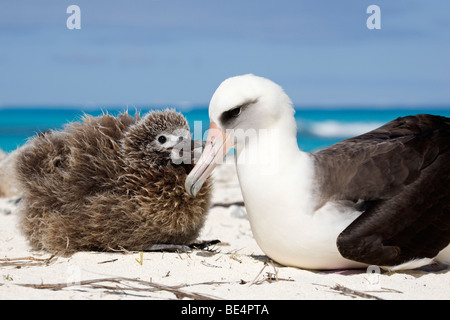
217, 146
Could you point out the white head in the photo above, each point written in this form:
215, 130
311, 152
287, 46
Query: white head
240, 103
248, 101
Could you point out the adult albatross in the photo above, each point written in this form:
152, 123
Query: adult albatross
381, 198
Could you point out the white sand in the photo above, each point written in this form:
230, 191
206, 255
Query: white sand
234, 269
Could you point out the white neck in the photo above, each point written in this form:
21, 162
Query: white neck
270, 161
265, 168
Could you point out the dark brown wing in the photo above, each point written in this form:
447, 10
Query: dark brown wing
402, 171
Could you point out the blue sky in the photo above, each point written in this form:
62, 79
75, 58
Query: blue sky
167, 52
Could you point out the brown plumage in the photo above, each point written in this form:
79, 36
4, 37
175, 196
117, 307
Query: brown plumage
109, 183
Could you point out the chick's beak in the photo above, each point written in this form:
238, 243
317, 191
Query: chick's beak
217, 145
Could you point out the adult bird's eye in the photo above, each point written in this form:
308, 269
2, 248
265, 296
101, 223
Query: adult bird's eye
162, 139
235, 112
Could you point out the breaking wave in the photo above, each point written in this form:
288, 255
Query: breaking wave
337, 129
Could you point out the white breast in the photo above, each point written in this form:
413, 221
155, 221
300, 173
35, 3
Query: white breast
280, 205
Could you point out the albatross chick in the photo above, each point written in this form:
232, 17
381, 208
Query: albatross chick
110, 183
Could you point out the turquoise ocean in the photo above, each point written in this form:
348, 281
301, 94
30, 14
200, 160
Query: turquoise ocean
317, 127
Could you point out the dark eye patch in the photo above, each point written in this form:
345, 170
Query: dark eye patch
228, 116
235, 112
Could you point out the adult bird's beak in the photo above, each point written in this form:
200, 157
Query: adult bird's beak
217, 145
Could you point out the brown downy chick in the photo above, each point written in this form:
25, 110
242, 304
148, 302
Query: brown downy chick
110, 183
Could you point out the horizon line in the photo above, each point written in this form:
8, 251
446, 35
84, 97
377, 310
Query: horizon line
200, 106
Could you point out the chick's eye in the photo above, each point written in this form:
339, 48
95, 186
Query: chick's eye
162, 139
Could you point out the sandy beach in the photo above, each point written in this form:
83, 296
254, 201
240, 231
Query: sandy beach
234, 268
